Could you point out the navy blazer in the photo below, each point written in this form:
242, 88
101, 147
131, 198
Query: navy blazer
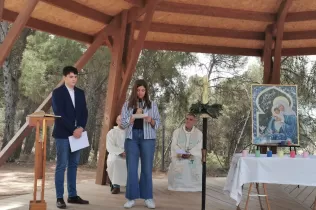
70, 115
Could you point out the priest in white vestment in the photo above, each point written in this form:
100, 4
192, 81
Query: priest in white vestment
185, 170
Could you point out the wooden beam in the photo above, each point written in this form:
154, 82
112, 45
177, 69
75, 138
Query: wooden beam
299, 35
283, 10
267, 52
109, 42
111, 108
298, 51
1, 9
194, 9
25, 130
137, 47
129, 40
50, 28
203, 31
203, 10
16, 29
136, 3
201, 48
224, 33
80, 9
300, 16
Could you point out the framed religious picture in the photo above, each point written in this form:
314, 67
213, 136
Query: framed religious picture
274, 115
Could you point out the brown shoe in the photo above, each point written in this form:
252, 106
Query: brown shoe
115, 190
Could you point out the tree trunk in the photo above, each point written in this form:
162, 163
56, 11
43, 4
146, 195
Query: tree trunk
11, 75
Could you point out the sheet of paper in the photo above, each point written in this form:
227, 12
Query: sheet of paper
77, 144
140, 116
180, 151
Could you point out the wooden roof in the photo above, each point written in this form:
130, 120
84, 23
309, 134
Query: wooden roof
234, 27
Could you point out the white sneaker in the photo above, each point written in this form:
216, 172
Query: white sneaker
129, 204
150, 203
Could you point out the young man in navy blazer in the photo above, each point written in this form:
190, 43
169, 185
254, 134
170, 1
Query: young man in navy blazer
68, 102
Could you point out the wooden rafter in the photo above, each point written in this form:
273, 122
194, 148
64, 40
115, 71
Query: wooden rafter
137, 47
46, 104
50, 28
1, 8
203, 10
223, 33
282, 13
80, 9
201, 48
137, 3
16, 29
203, 31
193, 9
300, 16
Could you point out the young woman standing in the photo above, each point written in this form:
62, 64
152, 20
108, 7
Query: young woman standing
140, 143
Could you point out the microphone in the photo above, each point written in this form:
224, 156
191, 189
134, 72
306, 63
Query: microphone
140, 105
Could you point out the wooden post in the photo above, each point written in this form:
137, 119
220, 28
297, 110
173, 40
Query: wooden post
271, 74
40, 158
267, 54
16, 29
117, 87
283, 10
204, 155
112, 96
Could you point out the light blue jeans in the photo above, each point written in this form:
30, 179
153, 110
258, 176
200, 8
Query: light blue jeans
136, 148
69, 160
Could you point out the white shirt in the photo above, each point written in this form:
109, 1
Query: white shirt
72, 94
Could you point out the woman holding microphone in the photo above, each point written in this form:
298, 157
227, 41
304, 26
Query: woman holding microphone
140, 143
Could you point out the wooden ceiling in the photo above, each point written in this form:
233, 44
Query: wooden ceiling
235, 27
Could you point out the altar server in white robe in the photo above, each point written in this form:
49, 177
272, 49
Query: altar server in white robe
185, 170
116, 162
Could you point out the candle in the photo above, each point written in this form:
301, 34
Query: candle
292, 154
269, 153
280, 153
244, 153
305, 154
205, 90
257, 153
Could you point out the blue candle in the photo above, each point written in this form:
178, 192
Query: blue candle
269, 153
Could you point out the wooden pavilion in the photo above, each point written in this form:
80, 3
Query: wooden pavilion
265, 28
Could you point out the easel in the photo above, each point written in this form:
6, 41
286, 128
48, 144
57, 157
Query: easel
40, 157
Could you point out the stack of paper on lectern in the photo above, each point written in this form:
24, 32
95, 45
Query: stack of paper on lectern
77, 144
42, 114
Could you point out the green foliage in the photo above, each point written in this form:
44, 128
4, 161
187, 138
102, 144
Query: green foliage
42, 64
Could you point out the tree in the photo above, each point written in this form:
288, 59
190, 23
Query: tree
11, 76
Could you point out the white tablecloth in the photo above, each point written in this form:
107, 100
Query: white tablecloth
274, 170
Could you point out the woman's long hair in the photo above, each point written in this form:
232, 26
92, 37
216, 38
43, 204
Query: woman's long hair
133, 99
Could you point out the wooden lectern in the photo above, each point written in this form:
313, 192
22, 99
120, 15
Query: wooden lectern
40, 120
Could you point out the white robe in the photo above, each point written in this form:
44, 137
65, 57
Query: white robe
186, 174
116, 165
